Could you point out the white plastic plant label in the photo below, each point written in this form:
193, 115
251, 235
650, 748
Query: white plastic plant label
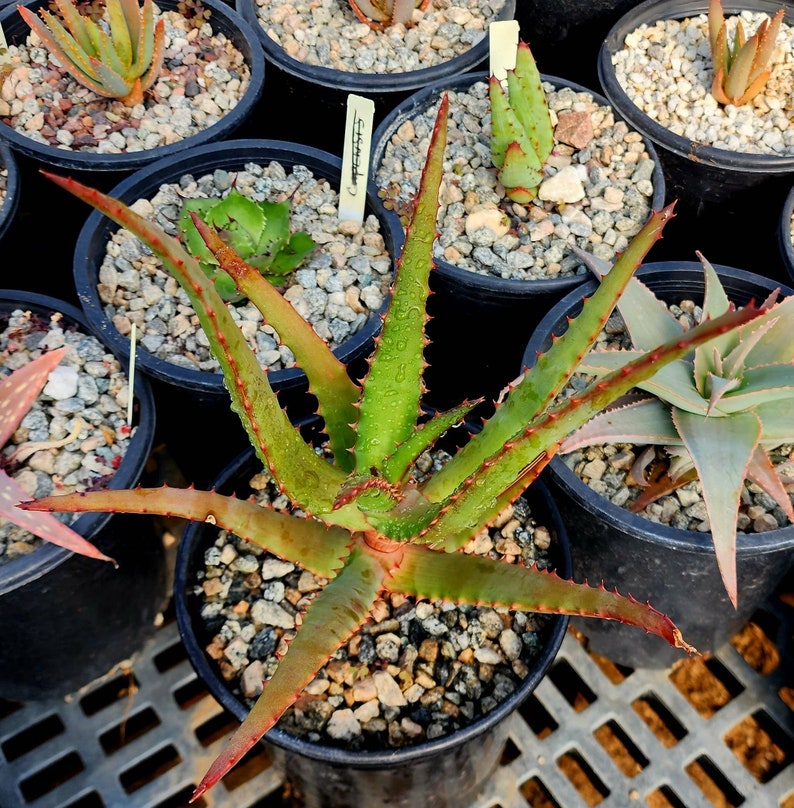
502, 44
355, 158
4, 56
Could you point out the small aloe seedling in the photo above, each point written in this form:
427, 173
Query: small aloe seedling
257, 231
716, 411
18, 391
120, 61
741, 68
522, 135
371, 528
380, 14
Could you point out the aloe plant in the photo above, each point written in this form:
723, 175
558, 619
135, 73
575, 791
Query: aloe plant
522, 136
380, 14
120, 60
370, 527
741, 67
18, 391
257, 231
715, 411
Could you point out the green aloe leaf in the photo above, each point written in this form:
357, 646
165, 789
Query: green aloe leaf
477, 503
528, 100
306, 542
334, 615
309, 479
463, 578
390, 401
328, 378
763, 473
542, 383
506, 129
424, 436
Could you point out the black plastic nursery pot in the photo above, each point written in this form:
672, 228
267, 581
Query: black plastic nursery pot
193, 402
10, 203
728, 199
224, 20
323, 91
443, 773
785, 241
555, 29
66, 619
480, 323
676, 570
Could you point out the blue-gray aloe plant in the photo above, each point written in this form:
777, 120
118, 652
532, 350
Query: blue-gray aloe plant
716, 410
372, 527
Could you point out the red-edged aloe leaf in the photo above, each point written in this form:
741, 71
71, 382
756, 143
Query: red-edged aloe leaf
639, 421
462, 578
673, 383
778, 420
647, 319
722, 467
477, 502
392, 388
541, 384
399, 464
777, 346
328, 379
111, 83
75, 22
45, 526
716, 26
309, 480
302, 541
763, 473
758, 386
520, 180
19, 390
337, 611
659, 485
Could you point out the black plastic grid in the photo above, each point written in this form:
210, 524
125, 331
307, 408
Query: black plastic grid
142, 736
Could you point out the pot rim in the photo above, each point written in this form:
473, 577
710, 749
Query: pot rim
369, 83
186, 619
230, 155
10, 203
598, 505
784, 234
46, 557
475, 281
224, 19
649, 12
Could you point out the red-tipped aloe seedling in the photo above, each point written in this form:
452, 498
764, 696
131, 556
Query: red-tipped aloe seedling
741, 67
120, 61
370, 527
